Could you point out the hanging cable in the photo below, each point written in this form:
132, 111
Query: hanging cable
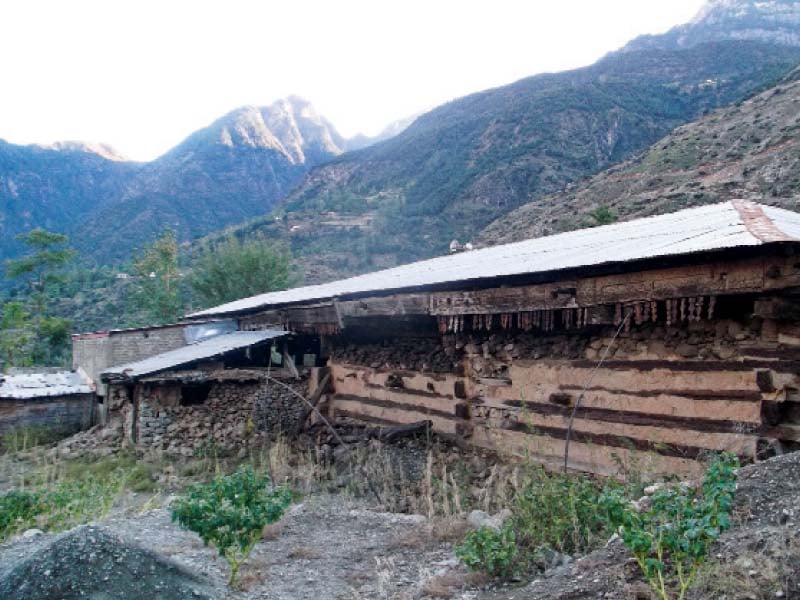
332, 430
588, 383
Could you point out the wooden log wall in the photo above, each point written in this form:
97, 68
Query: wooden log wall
669, 295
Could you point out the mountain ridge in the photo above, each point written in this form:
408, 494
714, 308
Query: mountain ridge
750, 150
462, 165
231, 170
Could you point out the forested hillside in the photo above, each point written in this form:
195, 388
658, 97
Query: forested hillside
464, 164
749, 150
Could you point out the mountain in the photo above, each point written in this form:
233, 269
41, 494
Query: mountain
773, 21
56, 186
235, 168
232, 170
466, 163
749, 150
359, 141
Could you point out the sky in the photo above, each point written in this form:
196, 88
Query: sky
141, 75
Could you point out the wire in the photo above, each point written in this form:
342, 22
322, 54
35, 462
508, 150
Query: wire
332, 430
586, 387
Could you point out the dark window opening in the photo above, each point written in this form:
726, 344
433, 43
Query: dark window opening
194, 394
737, 307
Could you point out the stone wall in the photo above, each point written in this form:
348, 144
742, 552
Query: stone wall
64, 414
234, 416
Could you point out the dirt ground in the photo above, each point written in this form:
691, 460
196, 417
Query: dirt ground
327, 547
334, 546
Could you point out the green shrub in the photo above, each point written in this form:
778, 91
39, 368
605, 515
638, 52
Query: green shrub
489, 550
230, 512
17, 508
560, 512
675, 535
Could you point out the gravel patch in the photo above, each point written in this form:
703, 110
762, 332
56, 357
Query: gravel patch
328, 547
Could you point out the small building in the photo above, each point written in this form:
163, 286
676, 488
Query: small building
647, 344
96, 351
216, 394
56, 400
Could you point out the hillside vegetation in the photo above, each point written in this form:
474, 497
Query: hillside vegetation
464, 164
232, 170
749, 150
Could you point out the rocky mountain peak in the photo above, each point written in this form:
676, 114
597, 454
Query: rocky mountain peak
771, 21
103, 150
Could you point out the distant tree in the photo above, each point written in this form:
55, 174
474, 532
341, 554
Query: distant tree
16, 335
40, 267
233, 269
29, 334
48, 253
53, 335
602, 215
157, 291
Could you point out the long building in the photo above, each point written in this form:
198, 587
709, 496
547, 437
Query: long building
677, 335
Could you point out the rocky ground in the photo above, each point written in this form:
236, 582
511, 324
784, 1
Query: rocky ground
326, 547
757, 559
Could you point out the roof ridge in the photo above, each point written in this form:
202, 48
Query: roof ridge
758, 223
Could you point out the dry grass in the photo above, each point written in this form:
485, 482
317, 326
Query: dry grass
442, 530
448, 584
303, 553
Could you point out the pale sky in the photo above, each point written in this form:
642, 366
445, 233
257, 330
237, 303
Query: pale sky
141, 75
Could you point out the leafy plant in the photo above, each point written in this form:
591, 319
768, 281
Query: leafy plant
231, 512
489, 550
678, 530
157, 292
558, 511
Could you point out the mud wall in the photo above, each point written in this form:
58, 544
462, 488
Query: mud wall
665, 397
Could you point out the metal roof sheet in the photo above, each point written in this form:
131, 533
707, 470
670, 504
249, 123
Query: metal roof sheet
29, 385
202, 350
731, 224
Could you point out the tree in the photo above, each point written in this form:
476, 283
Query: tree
16, 335
49, 253
602, 215
233, 269
34, 336
157, 292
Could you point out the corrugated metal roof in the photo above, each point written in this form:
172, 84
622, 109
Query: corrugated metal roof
729, 224
26, 386
203, 350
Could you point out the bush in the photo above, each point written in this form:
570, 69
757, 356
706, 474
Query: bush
559, 512
677, 532
231, 512
489, 550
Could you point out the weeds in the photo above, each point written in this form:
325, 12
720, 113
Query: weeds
560, 512
491, 551
22, 439
60, 506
